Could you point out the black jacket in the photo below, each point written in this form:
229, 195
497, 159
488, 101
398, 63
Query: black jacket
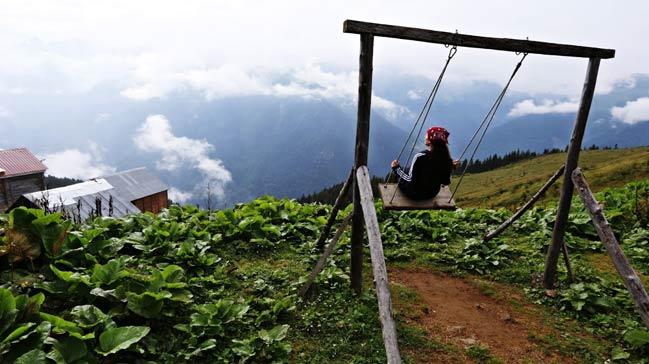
422, 180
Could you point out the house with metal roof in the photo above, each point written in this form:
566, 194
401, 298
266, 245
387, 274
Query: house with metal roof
141, 187
20, 172
80, 201
119, 194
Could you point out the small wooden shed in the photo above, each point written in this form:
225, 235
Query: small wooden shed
142, 188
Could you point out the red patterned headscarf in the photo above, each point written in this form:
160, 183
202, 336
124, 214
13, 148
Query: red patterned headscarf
438, 133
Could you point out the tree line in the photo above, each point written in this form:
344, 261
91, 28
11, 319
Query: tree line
56, 182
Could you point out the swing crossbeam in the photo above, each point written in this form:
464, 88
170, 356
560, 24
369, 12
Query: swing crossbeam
475, 41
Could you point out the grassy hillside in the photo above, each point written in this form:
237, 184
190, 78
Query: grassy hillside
192, 286
512, 185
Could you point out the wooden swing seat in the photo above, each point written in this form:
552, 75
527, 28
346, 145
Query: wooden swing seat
401, 202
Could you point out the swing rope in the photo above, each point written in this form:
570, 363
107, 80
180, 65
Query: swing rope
421, 119
486, 122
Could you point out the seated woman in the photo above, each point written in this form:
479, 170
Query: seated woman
429, 169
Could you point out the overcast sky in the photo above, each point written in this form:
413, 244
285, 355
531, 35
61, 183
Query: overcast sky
148, 49
151, 48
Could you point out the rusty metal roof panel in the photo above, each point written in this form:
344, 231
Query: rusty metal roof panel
19, 161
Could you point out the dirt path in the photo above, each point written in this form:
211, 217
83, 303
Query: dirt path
466, 313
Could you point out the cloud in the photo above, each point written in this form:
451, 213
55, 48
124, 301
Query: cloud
414, 94
157, 75
85, 43
179, 196
227, 80
154, 76
626, 82
5, 112
158, 80
529, 107
633, 111
214, 83
73, 163
156, 136
311, 81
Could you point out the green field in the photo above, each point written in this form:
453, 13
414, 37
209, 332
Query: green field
512, 185
188, 285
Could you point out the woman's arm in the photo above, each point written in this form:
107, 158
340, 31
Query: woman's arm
407, 177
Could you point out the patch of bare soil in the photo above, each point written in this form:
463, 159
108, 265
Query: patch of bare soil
463, 313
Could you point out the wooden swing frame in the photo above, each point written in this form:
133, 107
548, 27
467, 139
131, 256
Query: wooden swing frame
363, 201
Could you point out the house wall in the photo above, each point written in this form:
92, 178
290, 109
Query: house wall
14, 187
3, 197
153, 203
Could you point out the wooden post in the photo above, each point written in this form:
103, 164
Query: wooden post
629, 276
334, 211
378, 266
566, 261
525, 207
360, 156
550, 271
325, 255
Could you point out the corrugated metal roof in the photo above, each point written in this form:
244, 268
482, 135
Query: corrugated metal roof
67, 195
136, 183
66, 199
19, 161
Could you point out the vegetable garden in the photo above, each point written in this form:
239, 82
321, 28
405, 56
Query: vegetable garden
192, 285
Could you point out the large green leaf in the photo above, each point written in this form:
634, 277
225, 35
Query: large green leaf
23, 340
7, 309
7, 301
21, 218
172, 273
105, 293
206, 345
637, 337
67, 350
89, 316
619, 354
18, 336
147, 304
18, 332
105, 247
88, 235
109, 273
70, 277
33, 305
245, 349
120, 338
277, 333
35, 356
60, 325
52, 232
